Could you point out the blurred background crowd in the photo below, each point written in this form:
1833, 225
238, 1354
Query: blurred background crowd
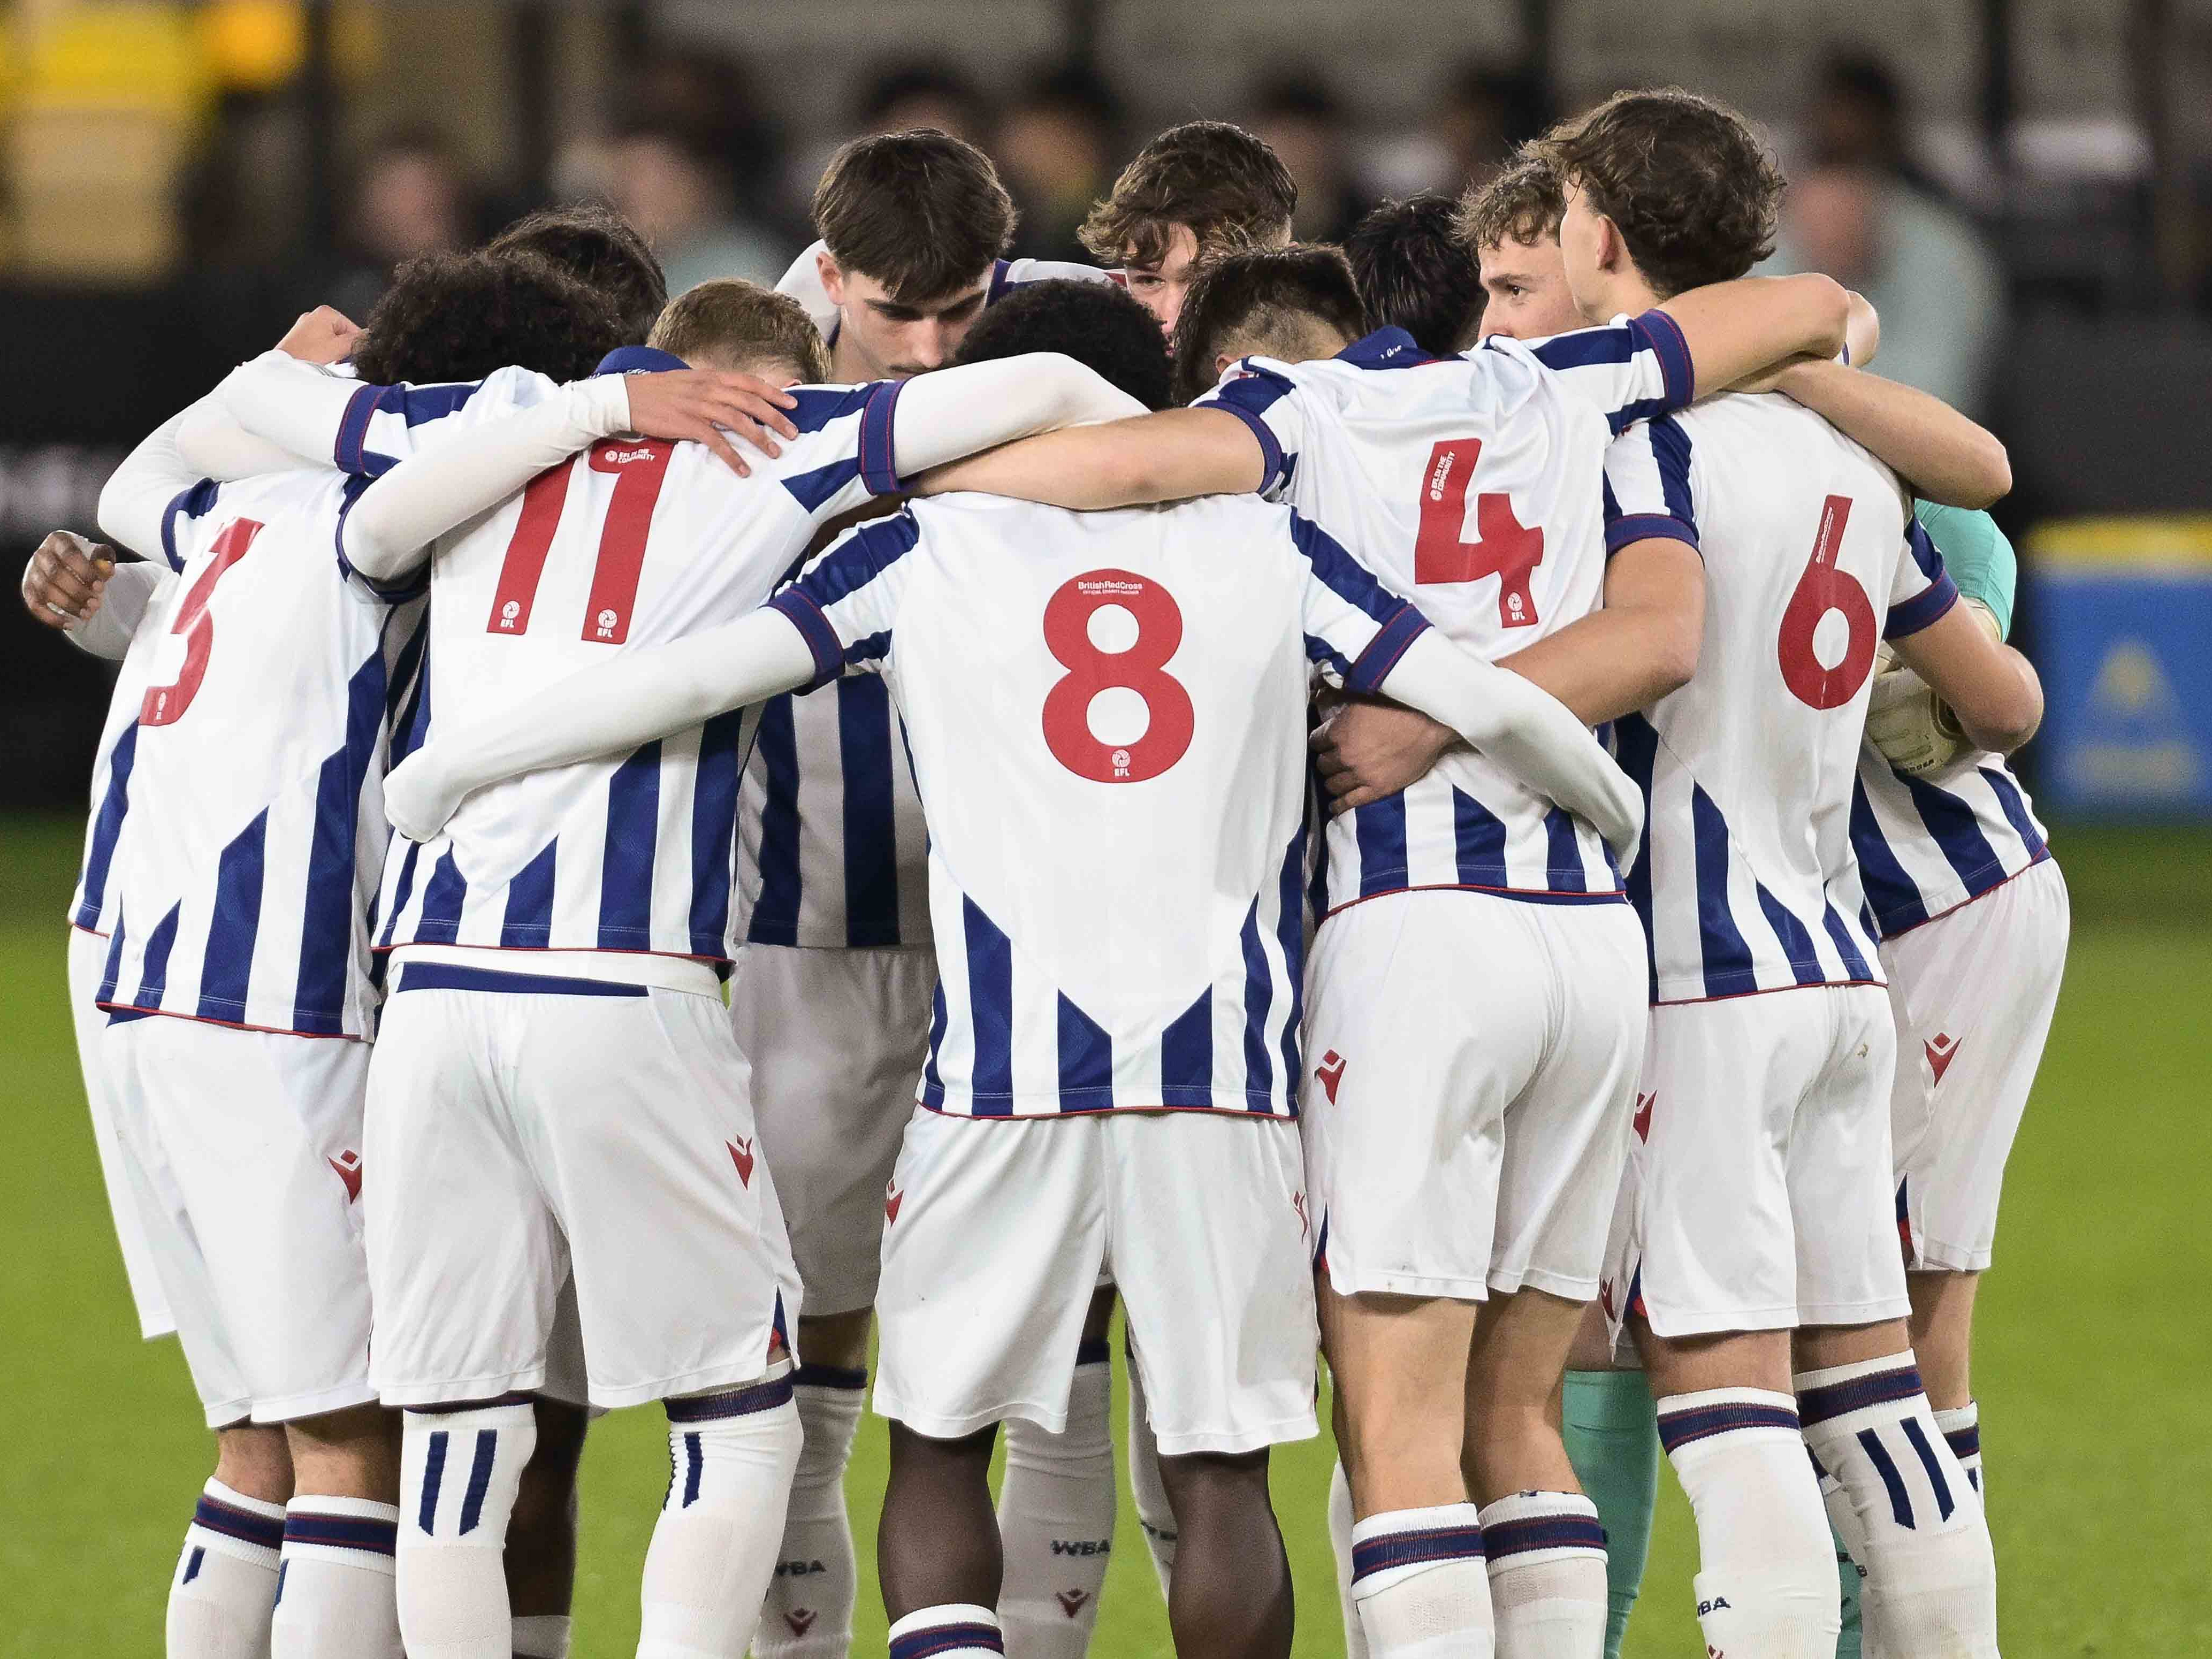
2024, 188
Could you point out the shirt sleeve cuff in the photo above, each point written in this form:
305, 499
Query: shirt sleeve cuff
1648, 527
801, 612
1271, 447
1664, 336
413, 586
878, 454
191, 503
1922, 610
1383, 651
347, 455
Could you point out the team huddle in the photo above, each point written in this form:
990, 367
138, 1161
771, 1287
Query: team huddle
1437, 805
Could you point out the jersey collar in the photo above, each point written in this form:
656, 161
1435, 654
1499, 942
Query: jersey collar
1386, 348
638, 359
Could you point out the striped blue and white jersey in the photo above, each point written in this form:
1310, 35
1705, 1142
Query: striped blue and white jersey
112, 763
832, 846
240, 893
1745, 878
1926, 845
1475, 485
631, 542
1107, 715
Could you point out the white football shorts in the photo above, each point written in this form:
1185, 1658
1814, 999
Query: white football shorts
1972, 993
998, 1230
243, 1154
88, 959
1471, 1064
836, 1039
526, 1128
1757, 1195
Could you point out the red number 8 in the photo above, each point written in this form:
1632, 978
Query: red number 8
1141, 668
1821, 589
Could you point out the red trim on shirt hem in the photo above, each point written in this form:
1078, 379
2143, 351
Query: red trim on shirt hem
76, 926
2044, 857
1771, 991
1102, 1111
1531, 895
540, 950
230, 1025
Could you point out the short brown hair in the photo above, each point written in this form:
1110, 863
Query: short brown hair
461, 316
600, 249
1524, 203
1694, 193
1415, 273
1226, 185
1259, 297
921, 212
729, 323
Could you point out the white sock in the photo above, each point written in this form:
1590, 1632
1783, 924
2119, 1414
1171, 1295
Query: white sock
1547, 1585
1962, 1430
1057, 1519
458, 1472
225, 1584
955, 1630
541, 1636
1419, 1582
732, 1454
1931, 1575
335, 1596
808, 1611
1766, 1584
1340, 1544
1155, 1514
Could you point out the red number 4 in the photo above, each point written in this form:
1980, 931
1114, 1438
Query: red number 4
1503, 547
1824, 587
639, 469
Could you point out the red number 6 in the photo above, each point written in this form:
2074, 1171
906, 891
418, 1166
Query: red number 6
1821, 589
1142, 668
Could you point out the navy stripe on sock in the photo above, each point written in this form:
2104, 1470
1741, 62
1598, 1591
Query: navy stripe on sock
1900, 1501
193, 1564
1882, 1388
215, 1516
694, 1465
1680, 1429
946, 1638
831, 1376
734, 1402
1407, 1549
433, 1476
1100, 1352
472, 1500
1927, 1456
342, 1532
283, 1571
1542, 1531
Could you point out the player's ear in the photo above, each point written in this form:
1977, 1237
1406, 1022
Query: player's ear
833, 280
1221, 361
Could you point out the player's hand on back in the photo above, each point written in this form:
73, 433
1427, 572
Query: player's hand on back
325, 335
61, 583
1370, 749
706, 405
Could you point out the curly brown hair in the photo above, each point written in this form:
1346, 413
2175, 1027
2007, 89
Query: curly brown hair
460, 316
601, 250
1695, 194
1524, 203
1225, 184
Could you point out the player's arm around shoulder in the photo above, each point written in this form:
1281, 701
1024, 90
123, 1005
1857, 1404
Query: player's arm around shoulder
1172, 455
1992, 690
1735, 329
1944, 456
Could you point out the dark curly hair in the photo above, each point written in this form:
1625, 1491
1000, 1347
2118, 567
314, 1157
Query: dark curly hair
600, 249
1694, 193
460, 316
1415, 273
1097, 323
1265, 300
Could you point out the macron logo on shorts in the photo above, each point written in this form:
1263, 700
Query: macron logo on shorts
1642, 1123
1941, 1048
741, 1154
893, 1197
1331, 1073
347, 1165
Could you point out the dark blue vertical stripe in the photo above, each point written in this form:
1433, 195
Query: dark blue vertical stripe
1900, 1501
863, 743
1380, 829
1187, 1055
1892, 895
775, 908
114, 968
1855, 962
1958, 835
473, 1499
326, 934
626, 868
411, 724
1258, 999
107, 826
1729, 971
1478, 835
1290, 935
443, 896
1927, 1456
2014, 809
400, 890
990, 1011
283, 1571
1792, 935
1086, 1061
933, 1084
192, 1562
1636, 746
433, 1476
527, 922
695, 1466
227, 966
1562, 852
714, 831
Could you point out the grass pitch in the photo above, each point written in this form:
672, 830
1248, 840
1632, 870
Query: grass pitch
2095, 1362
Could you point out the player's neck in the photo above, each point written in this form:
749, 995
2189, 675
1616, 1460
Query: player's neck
846, 366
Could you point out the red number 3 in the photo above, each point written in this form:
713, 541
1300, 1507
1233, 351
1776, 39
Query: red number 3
165, 705
1503, 547
1821, 589
1141, 668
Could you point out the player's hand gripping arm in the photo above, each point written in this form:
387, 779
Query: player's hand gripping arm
1941, 454
1643, 643
1990, 690
75, 586
634, 697
957, 412
1168, 457
1522, 727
